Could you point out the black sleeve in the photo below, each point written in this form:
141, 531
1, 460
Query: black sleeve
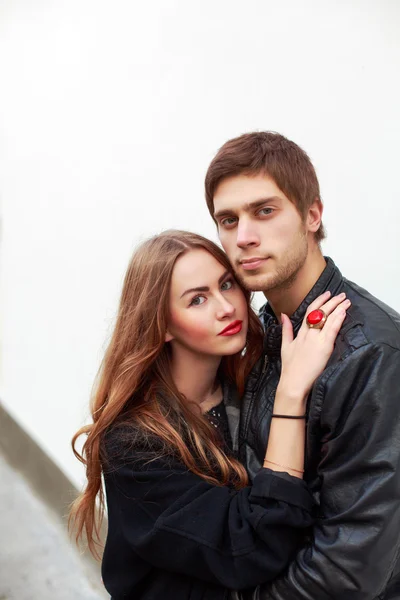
176, 521
356, 540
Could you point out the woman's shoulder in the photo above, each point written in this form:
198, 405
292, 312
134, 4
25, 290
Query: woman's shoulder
124, 443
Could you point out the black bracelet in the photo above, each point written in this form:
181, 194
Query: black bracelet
290, 416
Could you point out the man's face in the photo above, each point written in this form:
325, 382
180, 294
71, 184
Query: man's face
261, 231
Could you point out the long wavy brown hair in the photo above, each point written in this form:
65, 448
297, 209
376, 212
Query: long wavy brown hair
135, 375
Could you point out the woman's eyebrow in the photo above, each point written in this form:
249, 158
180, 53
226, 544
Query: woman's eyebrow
196, 289
204, 288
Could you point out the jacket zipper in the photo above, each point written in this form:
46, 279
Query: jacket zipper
261, 379
255, 392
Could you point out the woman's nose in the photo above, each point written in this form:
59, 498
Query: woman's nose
226, 309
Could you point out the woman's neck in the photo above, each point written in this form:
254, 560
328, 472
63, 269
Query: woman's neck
195, 376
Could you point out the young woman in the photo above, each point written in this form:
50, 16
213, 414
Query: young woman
183, 521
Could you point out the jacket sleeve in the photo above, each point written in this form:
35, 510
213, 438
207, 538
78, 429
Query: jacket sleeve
177, 521
356, 537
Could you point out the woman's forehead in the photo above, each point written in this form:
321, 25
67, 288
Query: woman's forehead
196, 268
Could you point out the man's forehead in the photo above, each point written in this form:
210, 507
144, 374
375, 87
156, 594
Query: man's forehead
242, 192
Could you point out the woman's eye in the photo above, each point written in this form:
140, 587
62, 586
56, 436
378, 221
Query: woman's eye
197, 301
227, 285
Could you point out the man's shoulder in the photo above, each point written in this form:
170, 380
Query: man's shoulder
369, 320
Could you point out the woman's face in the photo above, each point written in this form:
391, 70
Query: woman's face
208, 310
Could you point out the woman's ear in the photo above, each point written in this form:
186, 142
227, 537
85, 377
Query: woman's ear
168, 337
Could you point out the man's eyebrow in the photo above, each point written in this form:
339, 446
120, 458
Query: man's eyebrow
248, 206
205, 288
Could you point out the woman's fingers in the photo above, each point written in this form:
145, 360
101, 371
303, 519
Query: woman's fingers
335, 321
324, 303
330, 305
305, 357
287, 330
319, 302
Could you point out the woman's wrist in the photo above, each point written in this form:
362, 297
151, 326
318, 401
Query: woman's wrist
289, 401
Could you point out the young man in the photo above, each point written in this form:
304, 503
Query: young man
263, 193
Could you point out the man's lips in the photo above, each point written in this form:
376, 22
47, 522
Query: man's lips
248, 264
232, 328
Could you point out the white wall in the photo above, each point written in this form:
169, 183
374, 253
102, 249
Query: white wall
109, 115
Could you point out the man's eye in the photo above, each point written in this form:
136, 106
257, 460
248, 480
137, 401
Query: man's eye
265, 211
228, 221
197, 301
227, 285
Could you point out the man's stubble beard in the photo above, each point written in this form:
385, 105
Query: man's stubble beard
285, 274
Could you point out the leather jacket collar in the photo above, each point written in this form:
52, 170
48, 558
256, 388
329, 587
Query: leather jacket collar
330, 279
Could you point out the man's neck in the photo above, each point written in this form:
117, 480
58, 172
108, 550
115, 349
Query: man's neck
287, 300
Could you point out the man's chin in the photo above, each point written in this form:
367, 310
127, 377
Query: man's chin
255, 282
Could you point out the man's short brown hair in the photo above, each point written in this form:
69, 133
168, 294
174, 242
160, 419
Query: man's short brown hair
274, 155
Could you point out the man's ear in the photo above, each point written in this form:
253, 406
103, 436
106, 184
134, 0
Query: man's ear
314, 215
168, 337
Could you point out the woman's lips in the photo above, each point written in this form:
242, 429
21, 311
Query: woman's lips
249, 265
232, 329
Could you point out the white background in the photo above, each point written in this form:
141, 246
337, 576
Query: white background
109, 115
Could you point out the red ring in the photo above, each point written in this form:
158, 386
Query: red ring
316, 318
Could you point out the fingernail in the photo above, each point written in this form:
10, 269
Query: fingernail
342, 295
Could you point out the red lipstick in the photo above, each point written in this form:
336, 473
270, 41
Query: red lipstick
232, 328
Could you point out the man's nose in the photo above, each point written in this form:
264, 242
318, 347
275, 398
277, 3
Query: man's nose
246, 235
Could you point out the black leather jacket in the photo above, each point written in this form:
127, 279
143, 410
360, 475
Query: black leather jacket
352, 454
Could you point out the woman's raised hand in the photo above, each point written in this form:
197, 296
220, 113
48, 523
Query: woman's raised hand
305, 357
